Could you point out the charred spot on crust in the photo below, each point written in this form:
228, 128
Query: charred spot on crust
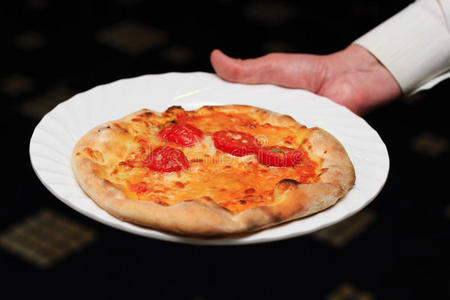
284, 184
289, 181
146, 114
174, 108
103, 128
174, 111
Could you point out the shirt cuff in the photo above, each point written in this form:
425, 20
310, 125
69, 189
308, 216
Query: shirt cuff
413, 45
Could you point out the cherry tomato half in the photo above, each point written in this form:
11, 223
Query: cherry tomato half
184, 135
235, 142
279, 156
166, 159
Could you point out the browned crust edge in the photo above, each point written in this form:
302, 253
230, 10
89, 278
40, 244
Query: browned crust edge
204, 217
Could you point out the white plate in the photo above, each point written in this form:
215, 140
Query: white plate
55, 136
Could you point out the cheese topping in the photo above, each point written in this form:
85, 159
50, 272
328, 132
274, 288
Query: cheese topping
236, 183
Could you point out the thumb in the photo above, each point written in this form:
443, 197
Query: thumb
288, 70
238, 70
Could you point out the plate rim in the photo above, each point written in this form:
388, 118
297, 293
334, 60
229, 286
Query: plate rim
221, 241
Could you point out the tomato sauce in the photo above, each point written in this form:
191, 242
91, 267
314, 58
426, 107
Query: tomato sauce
185, 168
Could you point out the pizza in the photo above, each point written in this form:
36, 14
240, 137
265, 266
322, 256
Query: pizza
213, 171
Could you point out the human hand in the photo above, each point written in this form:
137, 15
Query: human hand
352, 77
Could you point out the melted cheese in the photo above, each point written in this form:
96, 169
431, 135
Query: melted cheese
237, 183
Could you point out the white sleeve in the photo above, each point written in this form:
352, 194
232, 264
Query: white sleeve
414, 45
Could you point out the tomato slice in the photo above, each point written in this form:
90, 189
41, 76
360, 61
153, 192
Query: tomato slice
235, 142
166, 159
184, 135
279, 156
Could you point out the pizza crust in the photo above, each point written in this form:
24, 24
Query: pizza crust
203, 216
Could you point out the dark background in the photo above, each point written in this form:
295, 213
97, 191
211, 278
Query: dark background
396, 248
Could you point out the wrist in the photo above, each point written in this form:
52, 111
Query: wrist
379, 72
374, 80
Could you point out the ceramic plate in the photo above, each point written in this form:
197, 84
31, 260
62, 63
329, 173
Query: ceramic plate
56, 134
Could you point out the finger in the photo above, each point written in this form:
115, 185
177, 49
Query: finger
288, 70
238, 70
